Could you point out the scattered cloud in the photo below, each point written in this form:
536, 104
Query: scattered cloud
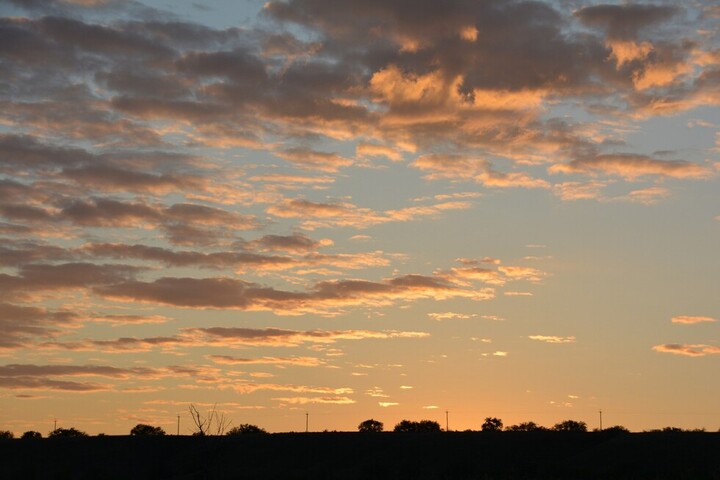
552, 339
689, 350
688, 320
293, 361
325, 400
451, 316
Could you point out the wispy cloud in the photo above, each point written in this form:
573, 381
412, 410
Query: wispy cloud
689, 350
688, 320
552, 339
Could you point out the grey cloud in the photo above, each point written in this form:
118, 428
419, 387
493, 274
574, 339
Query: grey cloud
20, 324
324, 297
26, 152
186, 258
625, 21
16, 253
43, 277
102, 212
109, 178
289, 243
101, 39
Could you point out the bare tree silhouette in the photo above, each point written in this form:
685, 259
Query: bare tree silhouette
214, 423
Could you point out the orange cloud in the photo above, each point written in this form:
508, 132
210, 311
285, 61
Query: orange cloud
473, 169
310, 159
631, 167
344, 214
332, 400
688, 320
689, 350
293, 361
522, 273
552, 339
450, 316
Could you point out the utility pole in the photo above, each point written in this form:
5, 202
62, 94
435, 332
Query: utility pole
178, 430
447, 421
55, 425
307, 421
601, 420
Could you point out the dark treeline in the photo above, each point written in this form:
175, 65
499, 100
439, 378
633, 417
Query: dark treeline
541, 454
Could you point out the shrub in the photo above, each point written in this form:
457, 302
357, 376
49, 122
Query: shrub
570, 426
31, 435
370, 425
617, 429
246, 429
526, 427
6, 435
421, 426
66, 433
492, 424
141, 429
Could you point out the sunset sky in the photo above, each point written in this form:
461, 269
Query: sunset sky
381, 209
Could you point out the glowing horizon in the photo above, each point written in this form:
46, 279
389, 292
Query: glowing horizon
354, 210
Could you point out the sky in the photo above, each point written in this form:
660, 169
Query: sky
338, 210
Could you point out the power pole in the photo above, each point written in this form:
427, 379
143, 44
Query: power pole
307, 421
601, 420
55, 425
447, 421
178, 430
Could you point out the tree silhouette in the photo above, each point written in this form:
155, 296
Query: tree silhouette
570, 426
370, 425
6, 435
245, 429
492, 424
66, 433
421, 426
31, 435
204, 424
616, 429
141, 429
526, 427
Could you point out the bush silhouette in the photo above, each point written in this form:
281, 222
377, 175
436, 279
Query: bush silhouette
526, 427
421, 426
492, 424
616, 429
31, 435
570, 426
142, 429
245, 429
66, 433
6, 435
370, 425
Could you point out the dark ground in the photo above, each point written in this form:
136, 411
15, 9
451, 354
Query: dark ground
320, 456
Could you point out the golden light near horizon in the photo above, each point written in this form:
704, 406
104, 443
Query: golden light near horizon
330, 211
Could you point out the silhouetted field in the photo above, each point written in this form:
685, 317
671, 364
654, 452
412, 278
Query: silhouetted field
319, 456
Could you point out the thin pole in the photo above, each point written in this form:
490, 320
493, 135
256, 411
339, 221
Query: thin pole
447, 422
55, 425
601, 420
178, 430
307, 415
